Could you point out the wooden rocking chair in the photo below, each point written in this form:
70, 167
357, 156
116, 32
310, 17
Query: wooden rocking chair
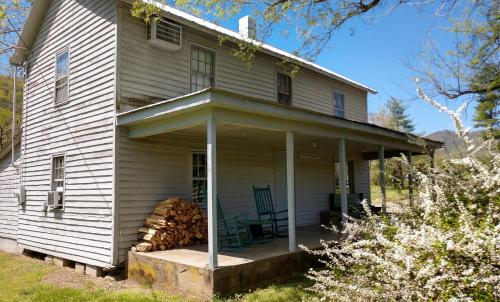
233, 233
265, 211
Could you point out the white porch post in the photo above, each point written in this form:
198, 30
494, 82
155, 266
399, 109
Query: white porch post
13, 134
382, 177
342, 180
290, 184
212, 192
410, 178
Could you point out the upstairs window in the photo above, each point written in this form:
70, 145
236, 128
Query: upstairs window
62, 77
202, 69
199, 177
338, 104
284, 83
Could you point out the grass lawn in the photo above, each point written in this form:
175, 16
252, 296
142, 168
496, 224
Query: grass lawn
393, 196
31, 280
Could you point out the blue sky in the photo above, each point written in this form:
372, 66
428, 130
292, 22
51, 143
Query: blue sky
376, 54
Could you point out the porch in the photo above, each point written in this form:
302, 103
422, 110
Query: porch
187, 270
242, 138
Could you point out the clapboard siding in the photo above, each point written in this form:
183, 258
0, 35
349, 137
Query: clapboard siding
148, 73
155, 168
81, 129
9, 184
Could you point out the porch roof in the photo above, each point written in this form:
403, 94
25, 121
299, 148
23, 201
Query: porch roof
231, 108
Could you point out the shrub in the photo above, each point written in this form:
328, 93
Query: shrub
444, 248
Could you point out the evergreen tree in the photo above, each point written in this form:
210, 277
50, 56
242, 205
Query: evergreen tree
486, 111
398, 118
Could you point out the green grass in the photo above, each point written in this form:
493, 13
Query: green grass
21, 279
393, 195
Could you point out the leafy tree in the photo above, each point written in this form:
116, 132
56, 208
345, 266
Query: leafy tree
6, 88
12, 16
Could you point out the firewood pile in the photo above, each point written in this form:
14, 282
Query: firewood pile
174, 223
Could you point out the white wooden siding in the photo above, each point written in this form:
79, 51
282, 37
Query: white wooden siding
82, 129
9, 184
155, 168
148, 73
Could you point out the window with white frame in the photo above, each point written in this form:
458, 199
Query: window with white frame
338, 104
61, 93
202, 68
284, 87
198, 177
58, 168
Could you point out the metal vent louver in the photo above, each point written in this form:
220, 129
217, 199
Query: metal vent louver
165, 34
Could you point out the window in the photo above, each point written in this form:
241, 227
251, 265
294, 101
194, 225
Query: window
284, 83
62, 77
198, 177
202, 69
338, 104
349, 177
58, 173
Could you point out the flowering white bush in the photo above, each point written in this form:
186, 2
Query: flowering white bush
444, 248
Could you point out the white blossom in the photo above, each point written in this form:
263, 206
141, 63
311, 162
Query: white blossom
444, 248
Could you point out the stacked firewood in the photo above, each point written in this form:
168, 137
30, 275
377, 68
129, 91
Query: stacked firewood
174, 223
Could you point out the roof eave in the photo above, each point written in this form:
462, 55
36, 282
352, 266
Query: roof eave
29, 31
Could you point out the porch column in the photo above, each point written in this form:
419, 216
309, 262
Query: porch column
212, 192
432, 166
290, 184
13, 134
410, 178
342, 180
382, 177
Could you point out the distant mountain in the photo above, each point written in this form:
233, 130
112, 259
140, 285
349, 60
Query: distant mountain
453, 146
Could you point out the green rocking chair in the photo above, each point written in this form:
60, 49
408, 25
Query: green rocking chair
265, 211
233, 233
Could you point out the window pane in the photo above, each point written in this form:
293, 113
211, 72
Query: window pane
62, 65
202, 172
202, 69
57, 172
284, 87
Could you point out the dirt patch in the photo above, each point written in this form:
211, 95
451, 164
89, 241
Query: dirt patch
68, 277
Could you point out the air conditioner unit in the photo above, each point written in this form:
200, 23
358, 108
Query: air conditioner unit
165, 34
21, 196
55, 200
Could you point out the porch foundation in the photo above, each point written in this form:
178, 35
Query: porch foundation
186, 270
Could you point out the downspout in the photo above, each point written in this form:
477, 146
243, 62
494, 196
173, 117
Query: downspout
13, 135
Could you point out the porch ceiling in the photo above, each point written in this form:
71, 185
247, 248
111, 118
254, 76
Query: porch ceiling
248, 118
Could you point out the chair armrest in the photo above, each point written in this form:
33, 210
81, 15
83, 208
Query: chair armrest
259, 221
281, 212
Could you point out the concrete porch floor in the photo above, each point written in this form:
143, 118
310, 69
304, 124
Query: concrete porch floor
197, 256
186, 270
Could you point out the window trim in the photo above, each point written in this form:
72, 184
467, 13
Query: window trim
205, 48
59, 52
51, 185
190, 174
279, 71
334, 91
